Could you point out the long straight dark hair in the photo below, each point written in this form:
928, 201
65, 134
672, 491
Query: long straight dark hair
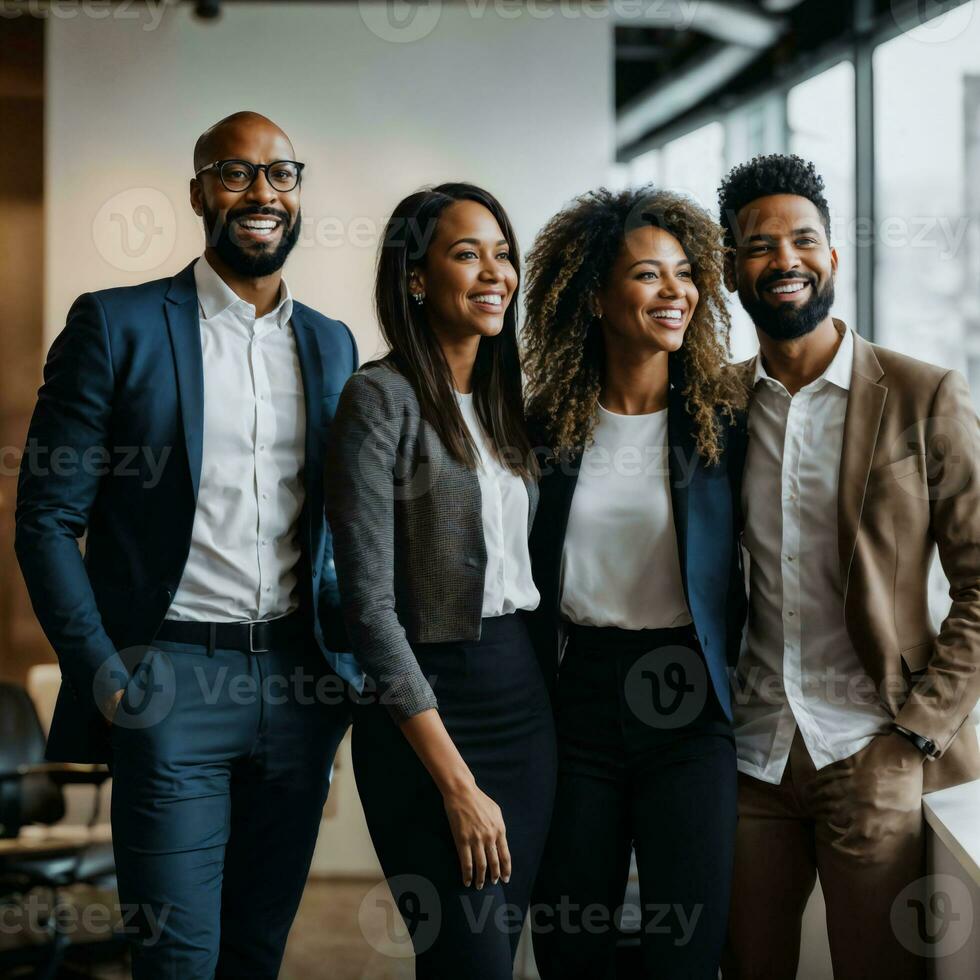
415, 350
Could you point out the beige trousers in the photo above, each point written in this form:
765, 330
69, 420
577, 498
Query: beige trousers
809, 825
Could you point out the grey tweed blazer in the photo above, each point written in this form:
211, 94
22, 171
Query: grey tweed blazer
407, 531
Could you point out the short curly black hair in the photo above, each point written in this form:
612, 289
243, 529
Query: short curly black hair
776, 173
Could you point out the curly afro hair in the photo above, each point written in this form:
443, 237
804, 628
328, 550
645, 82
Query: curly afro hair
763, 176
564, 351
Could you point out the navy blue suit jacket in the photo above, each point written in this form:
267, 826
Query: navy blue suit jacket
705, 501
114, 453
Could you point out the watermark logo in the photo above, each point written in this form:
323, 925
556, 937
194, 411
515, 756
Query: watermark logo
146, 675
667, 687
136, 230
386, 450
933, 916
149, 12
932, 461
933, 22
399, 927
400, 21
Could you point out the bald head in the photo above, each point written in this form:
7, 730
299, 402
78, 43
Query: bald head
236, 243
238, 133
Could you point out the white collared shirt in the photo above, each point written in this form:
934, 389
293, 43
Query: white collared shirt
798, 667
244, 541
619, 564
507, 583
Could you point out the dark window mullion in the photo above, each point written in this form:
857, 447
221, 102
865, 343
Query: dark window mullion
864, 168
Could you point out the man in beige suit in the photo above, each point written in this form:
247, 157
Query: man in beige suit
848, 706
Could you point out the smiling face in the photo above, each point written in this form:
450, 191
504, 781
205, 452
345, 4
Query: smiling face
254, 230
784, 267
467, 278
650, 297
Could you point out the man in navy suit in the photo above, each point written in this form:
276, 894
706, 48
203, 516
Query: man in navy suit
181, 428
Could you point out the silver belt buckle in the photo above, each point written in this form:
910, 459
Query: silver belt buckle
251, 640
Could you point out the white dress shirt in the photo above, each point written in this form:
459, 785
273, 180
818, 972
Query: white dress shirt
244, 541
619, 562
798, 667
507, 583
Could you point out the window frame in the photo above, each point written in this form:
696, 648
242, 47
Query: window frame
771, 101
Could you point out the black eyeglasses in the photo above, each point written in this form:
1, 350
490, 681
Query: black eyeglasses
239, 175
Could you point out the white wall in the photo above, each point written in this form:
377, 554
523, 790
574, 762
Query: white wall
520, 104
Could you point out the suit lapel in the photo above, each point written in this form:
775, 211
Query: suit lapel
555, 500
865, 405
738, 445
308, 351
736, 451
682, 465
184, 325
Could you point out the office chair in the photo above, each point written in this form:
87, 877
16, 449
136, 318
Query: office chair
38, 858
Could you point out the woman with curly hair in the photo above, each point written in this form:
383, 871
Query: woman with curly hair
635, 556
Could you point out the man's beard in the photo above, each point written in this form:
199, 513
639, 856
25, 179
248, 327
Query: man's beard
789, 321
254, 261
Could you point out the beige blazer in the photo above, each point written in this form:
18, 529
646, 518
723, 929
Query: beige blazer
910, 481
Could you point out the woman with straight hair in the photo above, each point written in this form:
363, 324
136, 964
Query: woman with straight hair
636, 557
431, 492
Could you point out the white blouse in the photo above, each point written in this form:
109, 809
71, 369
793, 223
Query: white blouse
507, 584
620, 565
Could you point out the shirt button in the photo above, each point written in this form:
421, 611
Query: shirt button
791, 557
790, 613
262, 449
265, 496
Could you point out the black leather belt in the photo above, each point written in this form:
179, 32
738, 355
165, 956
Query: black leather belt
256, 637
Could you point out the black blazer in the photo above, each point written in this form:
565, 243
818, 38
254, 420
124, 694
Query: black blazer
707, 523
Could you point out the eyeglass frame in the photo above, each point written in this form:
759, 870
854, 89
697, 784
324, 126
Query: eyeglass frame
259, 168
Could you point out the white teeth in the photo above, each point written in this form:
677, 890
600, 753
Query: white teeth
490, 298
789, 288
259, 225
668, 315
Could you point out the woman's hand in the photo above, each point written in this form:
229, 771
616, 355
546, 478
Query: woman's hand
478, 829
475, 820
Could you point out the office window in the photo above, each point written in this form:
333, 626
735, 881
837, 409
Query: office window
927, 112
645, 169
754, 129
927, 158
694, 163
820, 115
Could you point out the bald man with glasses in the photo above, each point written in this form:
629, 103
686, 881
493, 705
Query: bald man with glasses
199, 638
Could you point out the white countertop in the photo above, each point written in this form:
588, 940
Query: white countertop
954, 816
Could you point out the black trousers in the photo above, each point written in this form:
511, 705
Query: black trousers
494, 704
646, 759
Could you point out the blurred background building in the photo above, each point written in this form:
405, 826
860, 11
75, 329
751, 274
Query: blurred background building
538, 100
